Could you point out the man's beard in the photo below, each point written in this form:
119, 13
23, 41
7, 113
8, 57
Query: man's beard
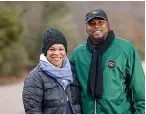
97, 40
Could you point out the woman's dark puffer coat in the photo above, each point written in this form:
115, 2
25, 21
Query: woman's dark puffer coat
42, 94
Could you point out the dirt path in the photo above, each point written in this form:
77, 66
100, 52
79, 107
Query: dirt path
11, 99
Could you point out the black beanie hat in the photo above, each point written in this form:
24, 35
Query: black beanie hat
52, 36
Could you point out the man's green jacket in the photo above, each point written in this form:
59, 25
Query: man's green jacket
123, 79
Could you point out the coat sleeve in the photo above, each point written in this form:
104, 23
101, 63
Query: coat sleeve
76, 91
137, 81
71, 58
32, 95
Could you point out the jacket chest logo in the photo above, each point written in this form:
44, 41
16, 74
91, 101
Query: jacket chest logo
111, 63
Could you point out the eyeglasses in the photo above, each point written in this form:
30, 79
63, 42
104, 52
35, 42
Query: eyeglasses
96, 22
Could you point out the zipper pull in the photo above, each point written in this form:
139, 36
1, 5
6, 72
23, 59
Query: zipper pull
67, 98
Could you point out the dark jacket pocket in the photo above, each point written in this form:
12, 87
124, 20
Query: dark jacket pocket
51, 92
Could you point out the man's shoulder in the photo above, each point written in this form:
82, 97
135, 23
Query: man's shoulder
119, 40
123, 44
80, 47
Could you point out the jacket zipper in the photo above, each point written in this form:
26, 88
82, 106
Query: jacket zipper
66, 93
64, 88
66, 100
95, 106
71, 108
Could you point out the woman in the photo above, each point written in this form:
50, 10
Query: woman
51, 87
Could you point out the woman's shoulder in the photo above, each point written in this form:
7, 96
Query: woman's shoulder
40, 76
35, 73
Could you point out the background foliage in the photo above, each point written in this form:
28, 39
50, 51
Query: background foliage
22, 25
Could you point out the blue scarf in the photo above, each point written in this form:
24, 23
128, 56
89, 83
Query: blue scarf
63, 75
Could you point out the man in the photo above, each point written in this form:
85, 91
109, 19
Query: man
109, 70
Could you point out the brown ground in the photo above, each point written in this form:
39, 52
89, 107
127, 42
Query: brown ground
8, 80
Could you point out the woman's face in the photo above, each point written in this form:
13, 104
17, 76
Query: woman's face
56, 54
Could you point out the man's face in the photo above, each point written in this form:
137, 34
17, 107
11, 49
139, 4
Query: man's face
97, 28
